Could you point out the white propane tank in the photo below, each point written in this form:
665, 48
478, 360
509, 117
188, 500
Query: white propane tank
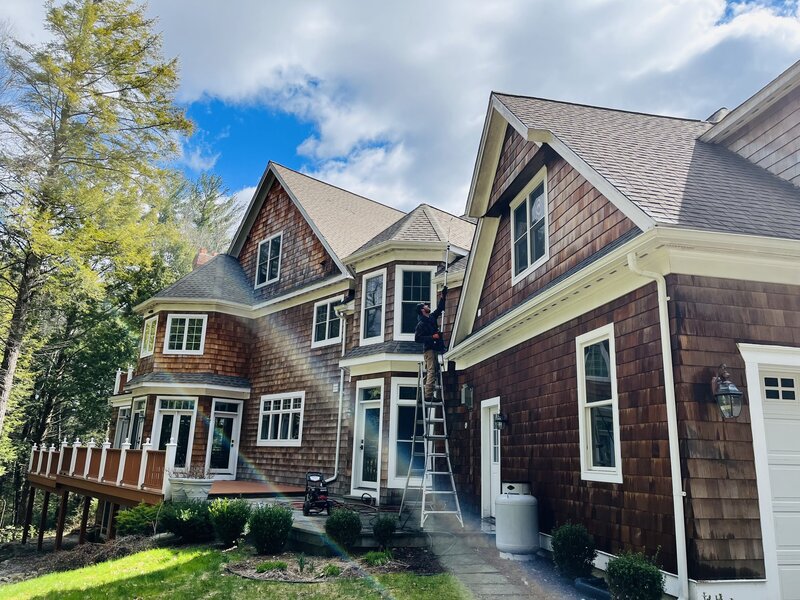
516, 525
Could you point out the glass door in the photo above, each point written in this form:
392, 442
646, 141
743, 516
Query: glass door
222, 453
176, 422
368, 438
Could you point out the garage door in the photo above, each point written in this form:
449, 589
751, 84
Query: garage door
782, 425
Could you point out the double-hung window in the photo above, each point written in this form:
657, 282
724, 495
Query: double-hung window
529, 224
373, 300
598, 408
327, 324
186, 334
268, 267
281, 419
149, 337
413, 285
401, 433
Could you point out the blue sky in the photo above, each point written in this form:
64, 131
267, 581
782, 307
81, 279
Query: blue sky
388, 99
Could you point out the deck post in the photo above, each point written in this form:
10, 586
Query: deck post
26, 527
146, 447
122, 455
89, 448
106, 445
87, 503
169, 465
62, 518
112, 522
61, 456
75, 445
50, 451
42, 446
33, 455
43, 519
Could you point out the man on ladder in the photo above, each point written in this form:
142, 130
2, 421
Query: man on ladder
427, 333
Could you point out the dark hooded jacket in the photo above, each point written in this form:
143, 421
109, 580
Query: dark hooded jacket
427, 326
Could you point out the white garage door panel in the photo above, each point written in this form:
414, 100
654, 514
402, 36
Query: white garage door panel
790, 583
783, 481
782, 438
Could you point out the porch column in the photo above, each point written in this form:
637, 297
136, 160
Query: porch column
43, 519
75, 445
89, 448
146, 447
62, 518
112, 522
122, 456
103, 452
87, 503
169, 465
61, 456
28, 514
33, 455
42, 446
49, 459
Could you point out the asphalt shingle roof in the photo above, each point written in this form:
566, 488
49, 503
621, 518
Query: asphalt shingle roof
221, 278
393, 347
659, 164
191, 379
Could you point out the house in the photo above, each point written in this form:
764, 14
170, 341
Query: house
620, 259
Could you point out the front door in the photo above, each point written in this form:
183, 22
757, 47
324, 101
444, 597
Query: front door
223, 438
175, 421
366, 471
490, 457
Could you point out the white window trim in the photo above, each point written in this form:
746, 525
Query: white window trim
281, 443
394, 481
118, 439
258, 255
540, 177
185, 333
589, 472
145, 351
367, 383
223, 473
398, 296
327, 341
157, 424
378, 338
143, 412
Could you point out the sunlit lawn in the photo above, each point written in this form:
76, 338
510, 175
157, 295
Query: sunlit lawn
194, 573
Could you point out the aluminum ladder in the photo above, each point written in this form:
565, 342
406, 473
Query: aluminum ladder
432, 483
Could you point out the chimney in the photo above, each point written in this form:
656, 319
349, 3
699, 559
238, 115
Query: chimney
203, 256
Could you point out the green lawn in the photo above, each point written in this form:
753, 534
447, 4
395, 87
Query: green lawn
195, 573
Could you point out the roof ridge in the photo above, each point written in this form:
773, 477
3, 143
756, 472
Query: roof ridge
459, 217
195, 271
434, 222
618, 110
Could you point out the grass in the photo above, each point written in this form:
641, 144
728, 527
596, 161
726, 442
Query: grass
271, 565
192, 573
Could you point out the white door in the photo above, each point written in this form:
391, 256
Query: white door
781, 396
223, 438
490, 457
367, 451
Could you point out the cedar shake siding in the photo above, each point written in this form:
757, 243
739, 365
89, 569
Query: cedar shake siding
304, 260
537, 385
581, 223
515, 154
226, 350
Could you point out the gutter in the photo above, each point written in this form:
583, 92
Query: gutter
672, 424
335, 475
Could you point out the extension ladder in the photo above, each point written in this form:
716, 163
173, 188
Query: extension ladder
432, 482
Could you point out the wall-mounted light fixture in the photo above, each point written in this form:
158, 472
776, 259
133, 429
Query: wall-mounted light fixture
466, 395
727, 395
500, 421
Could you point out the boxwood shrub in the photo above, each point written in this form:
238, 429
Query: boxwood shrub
269, 528
383, 529
188, 520
143, 519
574, 550
634, 576
229, 518
344, 527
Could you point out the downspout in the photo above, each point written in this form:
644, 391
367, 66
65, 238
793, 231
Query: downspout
672, 424
341, 406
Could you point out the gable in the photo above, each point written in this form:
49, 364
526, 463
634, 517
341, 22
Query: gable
516, 152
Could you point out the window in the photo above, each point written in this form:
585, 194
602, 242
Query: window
780, 387
412, 286
268, 268
401, 433
327, 324
185, 334
372, 301
598, 413
137, 421
123, 423
529, 244
281, 419
149, 337
174, 422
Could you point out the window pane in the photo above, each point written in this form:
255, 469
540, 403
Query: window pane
295, 433
273, 433
537, 205
333, 327
372, 325
407, 392
787, 382
176, 331
374, 292
264, 427
194, 334
520, 221
602, 423
538, 241
405, 422
409, 317
297, 403
403, 456
771, 381
166, 431
773, 394
598, 368
274, 263
263, 259
520, 255
319, 331
287, 403
416, 289
285, 426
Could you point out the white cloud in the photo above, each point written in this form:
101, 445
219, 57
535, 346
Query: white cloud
198, 161
397, 93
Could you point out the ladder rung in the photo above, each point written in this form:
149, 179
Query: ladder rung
437, 472
432, 454
442, 512
439, 492
434, 437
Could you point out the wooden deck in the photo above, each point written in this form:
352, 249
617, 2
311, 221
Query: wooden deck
254, 489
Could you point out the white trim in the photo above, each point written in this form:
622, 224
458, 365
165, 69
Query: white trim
118, 441
523, 197
236, 433
397, 251
382, 363
589, 472
378, 338
486, 458
119, 400
392, 480
157, 415
488, 156
326, 341
757, 358
354, 489
137, 444
398, 296
145, 349
277, 277
187, 316
279, 443
189, 389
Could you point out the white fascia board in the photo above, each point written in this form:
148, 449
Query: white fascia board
380, 357
307, 294
189, 389
382, 363
157, 304
120, 400
453, 279
366, 259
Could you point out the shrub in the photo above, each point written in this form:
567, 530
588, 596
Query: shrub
271, 565
376, 559
188, 520
344, 527
140, 520
229, 518
383, 530
269, 527
633, 576
573, 550
331, 571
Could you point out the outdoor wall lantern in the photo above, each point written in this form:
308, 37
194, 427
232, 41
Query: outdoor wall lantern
466, 395
500, 421
727, 395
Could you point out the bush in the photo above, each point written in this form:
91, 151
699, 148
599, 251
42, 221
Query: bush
140, 520
383, 530
229, 518
633, 576
331, 571
344, 527
573, 550
188, 520
377, 559
269, 527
